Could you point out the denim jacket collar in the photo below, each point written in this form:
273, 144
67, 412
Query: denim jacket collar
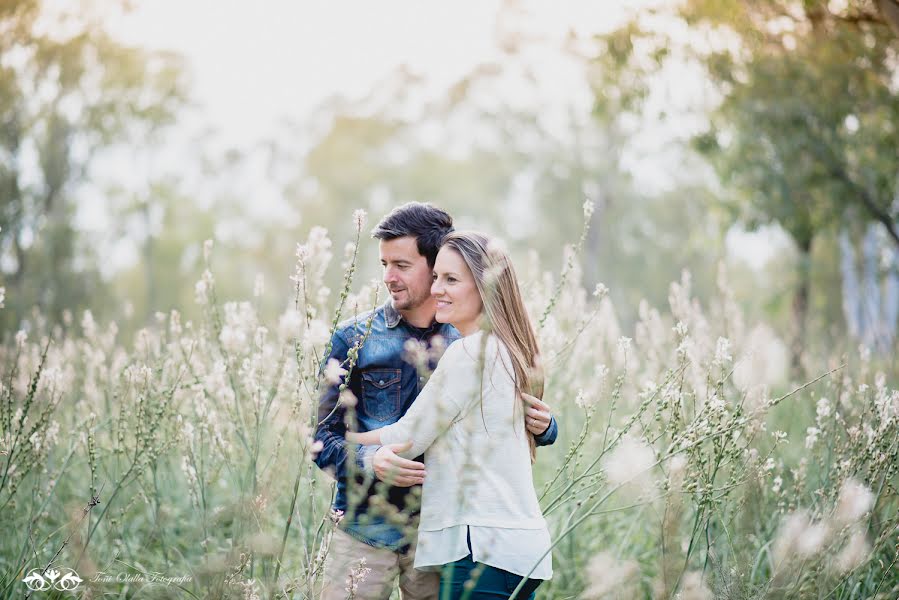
391, 315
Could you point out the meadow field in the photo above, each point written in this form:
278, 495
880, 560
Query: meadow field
692, 461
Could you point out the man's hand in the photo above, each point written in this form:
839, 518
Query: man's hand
537, 416
397, 470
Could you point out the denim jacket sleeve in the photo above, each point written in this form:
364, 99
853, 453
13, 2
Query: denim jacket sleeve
548, 437
331, 430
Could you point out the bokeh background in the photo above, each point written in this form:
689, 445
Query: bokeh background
760, 134
727, 171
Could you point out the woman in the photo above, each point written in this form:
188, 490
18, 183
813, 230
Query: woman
479, 507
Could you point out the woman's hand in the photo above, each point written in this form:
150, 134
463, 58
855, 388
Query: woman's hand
537, 417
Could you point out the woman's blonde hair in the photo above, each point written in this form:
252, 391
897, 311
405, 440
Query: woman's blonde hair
504, 310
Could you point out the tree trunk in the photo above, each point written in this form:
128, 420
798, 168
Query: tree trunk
800, 303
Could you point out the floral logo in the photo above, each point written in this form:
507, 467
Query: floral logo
39, 580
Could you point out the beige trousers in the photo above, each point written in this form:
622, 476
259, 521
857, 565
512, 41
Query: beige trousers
342, 572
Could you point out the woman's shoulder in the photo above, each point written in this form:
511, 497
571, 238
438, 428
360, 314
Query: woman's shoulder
476, 348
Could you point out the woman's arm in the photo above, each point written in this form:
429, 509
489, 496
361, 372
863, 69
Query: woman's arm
434, 410
366, 438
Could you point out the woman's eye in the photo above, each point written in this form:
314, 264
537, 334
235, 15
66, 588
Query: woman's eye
433, 277
451, 279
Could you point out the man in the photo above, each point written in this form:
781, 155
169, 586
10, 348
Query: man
385, 385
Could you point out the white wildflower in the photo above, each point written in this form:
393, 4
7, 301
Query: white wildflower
607, 575
769, 465
624, 344
864, 353
798, 535
21, 338
357, 576
600, 291
588, 209
681, 329
189, 472
207, 250
812, 539
317, 334
359, 219
259, 337
290, 325
250, 591
333, 371
631, 458
2, 296
853, 502
51, 435
778, 482
232, 338
259, 285
203, 287
853, 553
722, 352
415, 353
175, 324
823, 409
764, 362
811, 437
579, 399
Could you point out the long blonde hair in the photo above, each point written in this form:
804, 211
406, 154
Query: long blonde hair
504, 310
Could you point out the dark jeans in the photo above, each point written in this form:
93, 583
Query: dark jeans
490, 583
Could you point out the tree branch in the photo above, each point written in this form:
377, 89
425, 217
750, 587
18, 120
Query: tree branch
870, 205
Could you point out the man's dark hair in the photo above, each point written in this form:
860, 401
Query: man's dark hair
425, 222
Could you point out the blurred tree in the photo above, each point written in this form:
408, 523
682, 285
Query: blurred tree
501, 167
804, 133
67, 91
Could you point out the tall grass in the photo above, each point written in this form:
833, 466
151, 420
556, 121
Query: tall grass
689, 463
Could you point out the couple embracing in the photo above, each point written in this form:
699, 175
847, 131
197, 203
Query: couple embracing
477, 422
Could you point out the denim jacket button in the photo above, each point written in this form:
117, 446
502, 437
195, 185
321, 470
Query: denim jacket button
381, 382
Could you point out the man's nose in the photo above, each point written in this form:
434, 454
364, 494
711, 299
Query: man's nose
389, 275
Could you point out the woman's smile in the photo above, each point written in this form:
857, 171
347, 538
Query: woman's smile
455, 292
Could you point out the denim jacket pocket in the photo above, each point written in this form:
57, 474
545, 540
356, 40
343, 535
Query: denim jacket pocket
381, 393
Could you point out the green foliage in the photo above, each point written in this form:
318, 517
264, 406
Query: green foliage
805, 131
802, 131
67, 91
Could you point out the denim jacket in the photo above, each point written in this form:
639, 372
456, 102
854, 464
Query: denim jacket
385, 385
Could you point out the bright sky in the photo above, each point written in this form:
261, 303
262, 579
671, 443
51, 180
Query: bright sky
254, 64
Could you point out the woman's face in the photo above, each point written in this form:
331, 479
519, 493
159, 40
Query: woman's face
454, 289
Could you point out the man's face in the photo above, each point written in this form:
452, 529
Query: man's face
406, 272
